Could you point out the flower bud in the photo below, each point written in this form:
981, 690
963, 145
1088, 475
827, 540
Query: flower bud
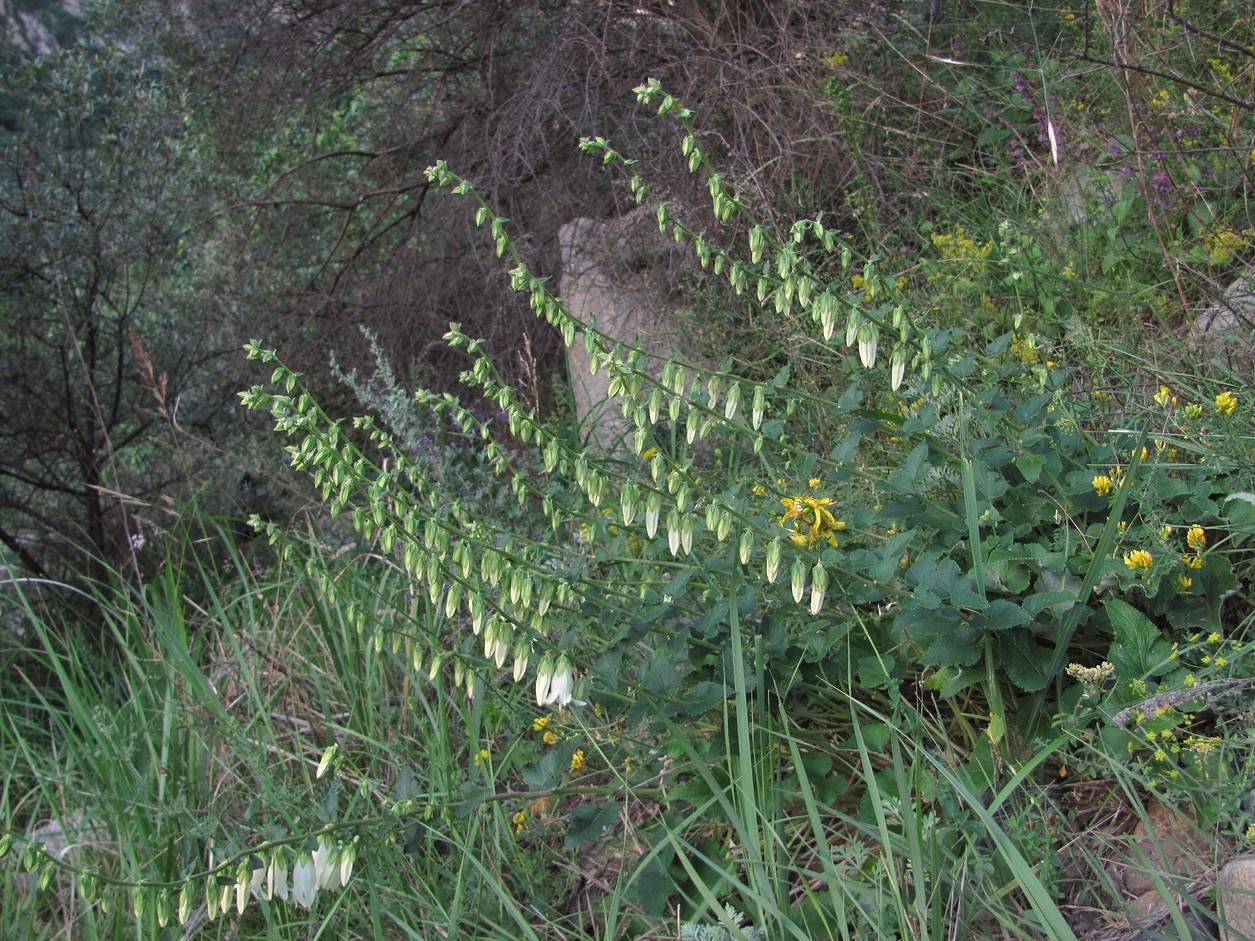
819, 587
773, 560
798, 577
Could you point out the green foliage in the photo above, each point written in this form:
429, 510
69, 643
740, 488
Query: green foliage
106, 342
804, 647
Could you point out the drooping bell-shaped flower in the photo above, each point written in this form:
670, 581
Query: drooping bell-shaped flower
561, 685
304, 881
277, 878
544, 674
327, 864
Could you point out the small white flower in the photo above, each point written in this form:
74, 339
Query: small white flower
521, 652
348, 855
327, 864
544, 674
560, 684
277, 879
258, 887
304, 882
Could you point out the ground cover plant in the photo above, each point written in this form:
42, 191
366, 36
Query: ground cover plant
865, 634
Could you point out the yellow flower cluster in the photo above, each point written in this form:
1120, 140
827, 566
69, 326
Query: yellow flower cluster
548, 735
810, 521
1223, 244
1106, 484
1139, 561
1226, 403
961, 246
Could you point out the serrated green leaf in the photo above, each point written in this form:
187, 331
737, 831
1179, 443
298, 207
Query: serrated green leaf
588, 822
1025, 661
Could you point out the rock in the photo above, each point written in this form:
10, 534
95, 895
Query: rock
1235, 899
1200, 924
1229, 326
610, 271
1169, 843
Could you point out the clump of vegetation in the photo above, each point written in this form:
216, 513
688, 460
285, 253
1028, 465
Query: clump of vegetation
852, 637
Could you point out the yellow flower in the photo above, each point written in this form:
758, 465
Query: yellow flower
1139, 560
648, 453
1226, 402
551, 737
518, 821
1165, 531
1202, 744
1164, 395
1193, 561
810, 520
481, 756
814, 483
1102, 485
1213, 637
1193, 411
539, 723
1184, 584
577, 760
1196, 538
759, 490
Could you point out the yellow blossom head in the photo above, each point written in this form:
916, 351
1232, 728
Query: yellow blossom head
1139, 560
1196, 538
1226, 402
809, 519
577, 760
1102, 485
